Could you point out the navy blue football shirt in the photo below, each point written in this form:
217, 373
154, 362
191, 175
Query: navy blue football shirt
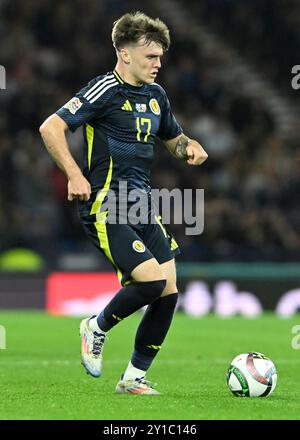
120, 123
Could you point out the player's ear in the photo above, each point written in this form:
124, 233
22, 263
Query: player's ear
125, 55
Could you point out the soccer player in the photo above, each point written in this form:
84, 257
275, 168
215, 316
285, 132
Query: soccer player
122, 112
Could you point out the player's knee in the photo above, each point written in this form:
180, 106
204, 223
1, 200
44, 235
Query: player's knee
148, 271
170, 288
151, 290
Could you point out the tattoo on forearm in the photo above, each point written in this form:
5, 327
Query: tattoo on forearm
180, 149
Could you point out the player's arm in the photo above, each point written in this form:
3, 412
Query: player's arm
53, 132
186, 149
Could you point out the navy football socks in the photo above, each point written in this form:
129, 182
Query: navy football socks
152, 331
128, 300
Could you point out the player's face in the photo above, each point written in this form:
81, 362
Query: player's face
144, 62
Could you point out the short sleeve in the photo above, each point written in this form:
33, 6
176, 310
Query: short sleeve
169, 127
89, 103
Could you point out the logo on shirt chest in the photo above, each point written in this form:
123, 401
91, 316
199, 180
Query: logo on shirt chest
154, 106
141, 108
126, 106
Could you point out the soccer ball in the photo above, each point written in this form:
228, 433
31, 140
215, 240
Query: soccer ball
252, 375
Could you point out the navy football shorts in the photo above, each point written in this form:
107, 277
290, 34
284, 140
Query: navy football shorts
126, 245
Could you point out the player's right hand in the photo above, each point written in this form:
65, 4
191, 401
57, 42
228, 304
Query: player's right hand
79, 188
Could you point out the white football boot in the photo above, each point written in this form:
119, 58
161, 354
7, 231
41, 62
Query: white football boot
136, 386
91, 348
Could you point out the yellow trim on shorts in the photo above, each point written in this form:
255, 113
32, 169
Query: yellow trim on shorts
158, 218
103, 240
100, 223
174, 244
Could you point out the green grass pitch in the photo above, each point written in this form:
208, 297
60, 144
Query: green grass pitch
41, 376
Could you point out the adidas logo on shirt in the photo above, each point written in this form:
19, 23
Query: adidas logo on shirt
127, 106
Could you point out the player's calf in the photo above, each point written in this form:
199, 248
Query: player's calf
150, 336
128, 300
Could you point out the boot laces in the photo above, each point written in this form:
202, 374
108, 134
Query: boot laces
145, 382
98, 344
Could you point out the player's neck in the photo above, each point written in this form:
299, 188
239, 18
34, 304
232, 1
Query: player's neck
127, 77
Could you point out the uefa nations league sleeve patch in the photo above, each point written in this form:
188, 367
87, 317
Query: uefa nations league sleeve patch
73, 105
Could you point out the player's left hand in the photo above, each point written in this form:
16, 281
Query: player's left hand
196, 153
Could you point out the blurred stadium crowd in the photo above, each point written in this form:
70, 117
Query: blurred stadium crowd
251, 179
266, 31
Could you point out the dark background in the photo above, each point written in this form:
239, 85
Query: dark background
50, 49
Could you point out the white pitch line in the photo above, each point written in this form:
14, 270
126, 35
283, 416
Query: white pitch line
39, 362
61, 362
